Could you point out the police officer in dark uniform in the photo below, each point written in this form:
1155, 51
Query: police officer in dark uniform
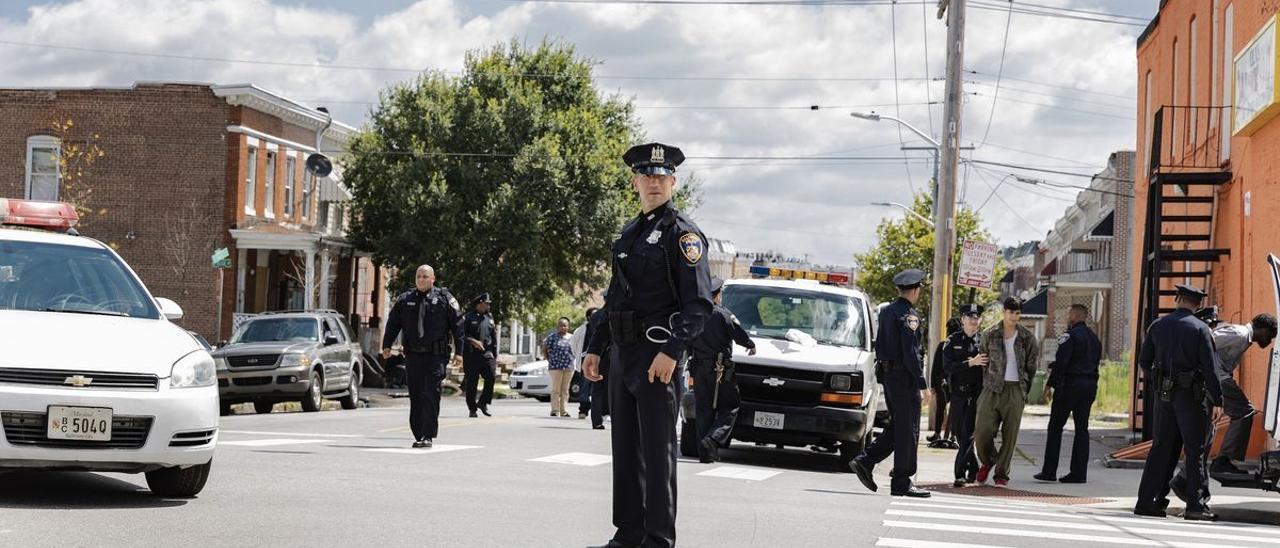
898, 355
427, 317
1179, 358
479, 350
658, 300
1073, 381
715, 393
598, 319
964, 365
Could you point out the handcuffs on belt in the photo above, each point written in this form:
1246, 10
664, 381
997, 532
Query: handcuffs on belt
648, 331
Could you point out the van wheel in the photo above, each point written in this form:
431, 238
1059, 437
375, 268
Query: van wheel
179, 482
689, 439
263, 407
848, 451
311, 402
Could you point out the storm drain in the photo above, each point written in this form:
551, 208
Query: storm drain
1004, 493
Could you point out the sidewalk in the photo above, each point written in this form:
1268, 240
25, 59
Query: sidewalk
1107, 487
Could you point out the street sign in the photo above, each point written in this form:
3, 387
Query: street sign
977, 264
221, 258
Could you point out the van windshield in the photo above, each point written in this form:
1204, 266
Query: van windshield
772, 311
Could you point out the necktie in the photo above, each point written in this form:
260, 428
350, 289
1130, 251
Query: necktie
422, 312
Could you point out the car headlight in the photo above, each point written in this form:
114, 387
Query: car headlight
295, 360
841, 382
193, 370
539, 372
220, 364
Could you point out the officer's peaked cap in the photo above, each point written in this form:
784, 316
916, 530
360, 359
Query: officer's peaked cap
1191, 291
909, 279
972, 309
653, 158
481, 298
716, 284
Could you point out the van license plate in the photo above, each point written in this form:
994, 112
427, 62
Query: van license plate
79, 423
772, 421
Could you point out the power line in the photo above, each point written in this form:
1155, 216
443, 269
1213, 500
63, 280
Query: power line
1046, 84
1009, 207
1003, 48
1028, 181
1007, 87
897, 108
1042, 170
1043, 12
1066, 109
924, 28
1029, 153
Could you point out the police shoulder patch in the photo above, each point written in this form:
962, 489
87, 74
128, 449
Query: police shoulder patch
691, 246
912, 321
1064, 338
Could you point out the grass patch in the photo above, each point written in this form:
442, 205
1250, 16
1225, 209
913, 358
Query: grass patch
1115, 384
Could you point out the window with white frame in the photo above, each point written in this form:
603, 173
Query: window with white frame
269, 186
290, 164
251, 181
43, 174
308, 182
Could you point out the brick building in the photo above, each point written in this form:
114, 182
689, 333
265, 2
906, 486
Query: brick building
1206, 190
189, 168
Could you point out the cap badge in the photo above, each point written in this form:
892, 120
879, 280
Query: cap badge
657, 155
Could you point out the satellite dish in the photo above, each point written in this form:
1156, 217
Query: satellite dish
319, 165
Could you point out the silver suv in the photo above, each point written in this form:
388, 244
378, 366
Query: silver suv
290, 356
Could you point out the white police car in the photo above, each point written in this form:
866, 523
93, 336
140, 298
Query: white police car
93, 374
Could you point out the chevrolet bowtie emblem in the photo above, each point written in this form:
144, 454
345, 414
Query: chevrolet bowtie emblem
657, 155
774, 382
78, 381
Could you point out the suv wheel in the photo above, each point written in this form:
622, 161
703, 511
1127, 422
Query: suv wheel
352, 399
311, 402
263, 407
689, 439
179, 482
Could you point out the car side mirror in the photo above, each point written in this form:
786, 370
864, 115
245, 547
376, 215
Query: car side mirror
220, 344
169, 309
330, 340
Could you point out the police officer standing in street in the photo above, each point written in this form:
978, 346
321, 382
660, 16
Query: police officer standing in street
1073, 382
898, 355
964, 365
479, 350
1179, 358
659, 298
427, 317
715, 390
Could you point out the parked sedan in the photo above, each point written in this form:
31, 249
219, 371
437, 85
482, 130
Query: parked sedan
533, 380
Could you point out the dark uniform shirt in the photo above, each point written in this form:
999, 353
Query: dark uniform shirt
898, 342
1180, 343
659, 269
1079, 353
961, 347
721, 329
424, 319
479, 327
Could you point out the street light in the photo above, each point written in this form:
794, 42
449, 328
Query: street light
907, 209
874, 117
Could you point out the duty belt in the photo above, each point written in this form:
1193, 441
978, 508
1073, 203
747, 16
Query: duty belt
627, 329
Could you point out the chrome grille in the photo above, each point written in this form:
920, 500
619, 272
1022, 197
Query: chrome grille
192, 439
56, 377
30, 429
252, 360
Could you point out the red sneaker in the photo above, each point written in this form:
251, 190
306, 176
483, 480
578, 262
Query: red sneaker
1002, 483
983, 473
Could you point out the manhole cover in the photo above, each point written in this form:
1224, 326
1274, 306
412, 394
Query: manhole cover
989, 491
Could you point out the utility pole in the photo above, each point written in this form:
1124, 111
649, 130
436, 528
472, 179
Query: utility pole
944, 208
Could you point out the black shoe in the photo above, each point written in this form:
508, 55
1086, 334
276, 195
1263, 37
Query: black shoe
419, 444
598, 427
1224, 466
913, 492
1071, 479
473, 414
959, 482
933, 438
864, 475
426, 444
1200, 515
555, 413
614, 544
1162, 504
1149, 511
1045, 477
485, 409
710, 448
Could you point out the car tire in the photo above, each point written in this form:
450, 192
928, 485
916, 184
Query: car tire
689, 439
352, 399
543, 399
849, 450
263, 407
224, 409
315, 396
175, 482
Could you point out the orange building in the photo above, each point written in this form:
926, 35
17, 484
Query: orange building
1207, 194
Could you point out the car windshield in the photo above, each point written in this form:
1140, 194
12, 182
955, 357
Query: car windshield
772, 311
278, 330
48, 277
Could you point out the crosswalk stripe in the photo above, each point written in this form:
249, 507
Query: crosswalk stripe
576, 459
1069, 515
294, 434
740, 472
1085, 526
996, 531
422, 451
970, 499
271, 442
912, 543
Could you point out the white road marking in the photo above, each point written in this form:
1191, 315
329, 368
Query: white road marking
1079, 526
739, 472
295, 434
271, 442
576, 459
910, 543
423, 451
997, 531
1220, 527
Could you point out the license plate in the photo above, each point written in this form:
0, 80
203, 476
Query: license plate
79, 423
515, 385
772, 421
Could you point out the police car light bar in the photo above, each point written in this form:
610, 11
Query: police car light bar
59, 216
794, 274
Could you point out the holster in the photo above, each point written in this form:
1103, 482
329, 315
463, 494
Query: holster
623, 327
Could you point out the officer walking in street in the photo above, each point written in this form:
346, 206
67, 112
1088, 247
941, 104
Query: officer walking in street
898, 355
479, 350
659, 298
964, 364
715, 390
427, 318
1073, 384
1179, 359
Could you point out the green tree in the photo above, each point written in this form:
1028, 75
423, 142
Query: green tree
908, 243
506, 178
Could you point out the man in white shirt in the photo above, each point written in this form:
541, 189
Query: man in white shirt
1014, 357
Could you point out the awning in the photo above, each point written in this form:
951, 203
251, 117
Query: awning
1105, 229
331, 189
1037, 305
1050, 269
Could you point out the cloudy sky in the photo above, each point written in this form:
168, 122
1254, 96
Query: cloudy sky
730, 84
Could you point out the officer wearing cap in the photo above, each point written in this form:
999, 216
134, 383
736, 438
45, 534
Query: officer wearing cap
964, 364
715, 390
1073, 382
898, 354
1178, 355
427, 317
658, 301
479, 351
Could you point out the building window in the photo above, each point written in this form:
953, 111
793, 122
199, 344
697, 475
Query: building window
290, 164
269, 186
1228, 75
43, 176
308, 180
251, 181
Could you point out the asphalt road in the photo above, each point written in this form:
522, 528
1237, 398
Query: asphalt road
522, 478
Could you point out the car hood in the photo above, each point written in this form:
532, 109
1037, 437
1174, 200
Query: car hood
530, 366
108, 344
817, 357
244, 349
